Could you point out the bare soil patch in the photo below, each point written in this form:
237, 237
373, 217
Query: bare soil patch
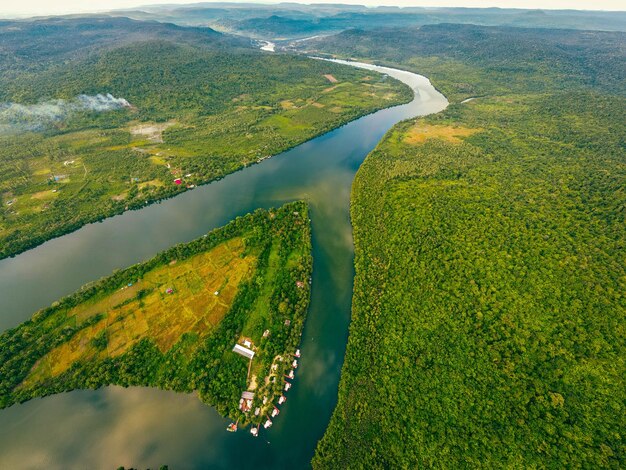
422, 132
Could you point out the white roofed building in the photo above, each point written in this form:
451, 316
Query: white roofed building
242, 350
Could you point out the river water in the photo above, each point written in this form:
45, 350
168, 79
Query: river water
143, 427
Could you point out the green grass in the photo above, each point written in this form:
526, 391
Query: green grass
161, 323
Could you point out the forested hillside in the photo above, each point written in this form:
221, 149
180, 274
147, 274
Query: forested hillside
102, 115
467, 61
34, 45
172, 321
489, 316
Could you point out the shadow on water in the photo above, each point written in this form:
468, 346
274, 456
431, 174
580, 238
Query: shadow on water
144, 427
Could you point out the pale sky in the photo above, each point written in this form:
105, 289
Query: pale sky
45, 7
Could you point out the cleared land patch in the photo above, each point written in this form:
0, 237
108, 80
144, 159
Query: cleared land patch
421, 132
151, 131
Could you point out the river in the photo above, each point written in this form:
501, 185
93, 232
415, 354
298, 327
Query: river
143, 427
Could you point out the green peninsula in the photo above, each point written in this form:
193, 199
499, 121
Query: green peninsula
172, 322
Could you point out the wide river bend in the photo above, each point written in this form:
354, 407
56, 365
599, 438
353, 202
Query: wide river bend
143, 427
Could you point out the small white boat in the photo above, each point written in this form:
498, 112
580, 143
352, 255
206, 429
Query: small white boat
254, 431
275, 412
294, 364
287, 386
282, 400
297, 354
267, 424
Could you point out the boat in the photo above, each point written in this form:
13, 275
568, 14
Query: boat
297, 354
282, 399
287, 386
268, 423
254, 431
275, 412
290, 376
232, 427
294, 364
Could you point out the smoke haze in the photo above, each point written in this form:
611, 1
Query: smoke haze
15, 117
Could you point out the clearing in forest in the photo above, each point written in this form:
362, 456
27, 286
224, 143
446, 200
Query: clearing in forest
421, 132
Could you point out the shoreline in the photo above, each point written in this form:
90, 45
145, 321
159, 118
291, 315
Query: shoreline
176, 191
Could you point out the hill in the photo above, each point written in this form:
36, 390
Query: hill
493, 60
34, 45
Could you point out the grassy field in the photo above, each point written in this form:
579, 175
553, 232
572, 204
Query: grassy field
200, 107
176, 319
488, 312
146, 309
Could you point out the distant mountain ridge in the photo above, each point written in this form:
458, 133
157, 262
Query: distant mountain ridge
32, 44
290, 20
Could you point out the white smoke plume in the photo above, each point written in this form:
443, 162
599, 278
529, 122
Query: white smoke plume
15, 117
100, 103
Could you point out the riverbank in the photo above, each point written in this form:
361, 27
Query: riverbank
84, 169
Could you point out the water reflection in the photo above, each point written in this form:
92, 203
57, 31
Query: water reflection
123, 417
